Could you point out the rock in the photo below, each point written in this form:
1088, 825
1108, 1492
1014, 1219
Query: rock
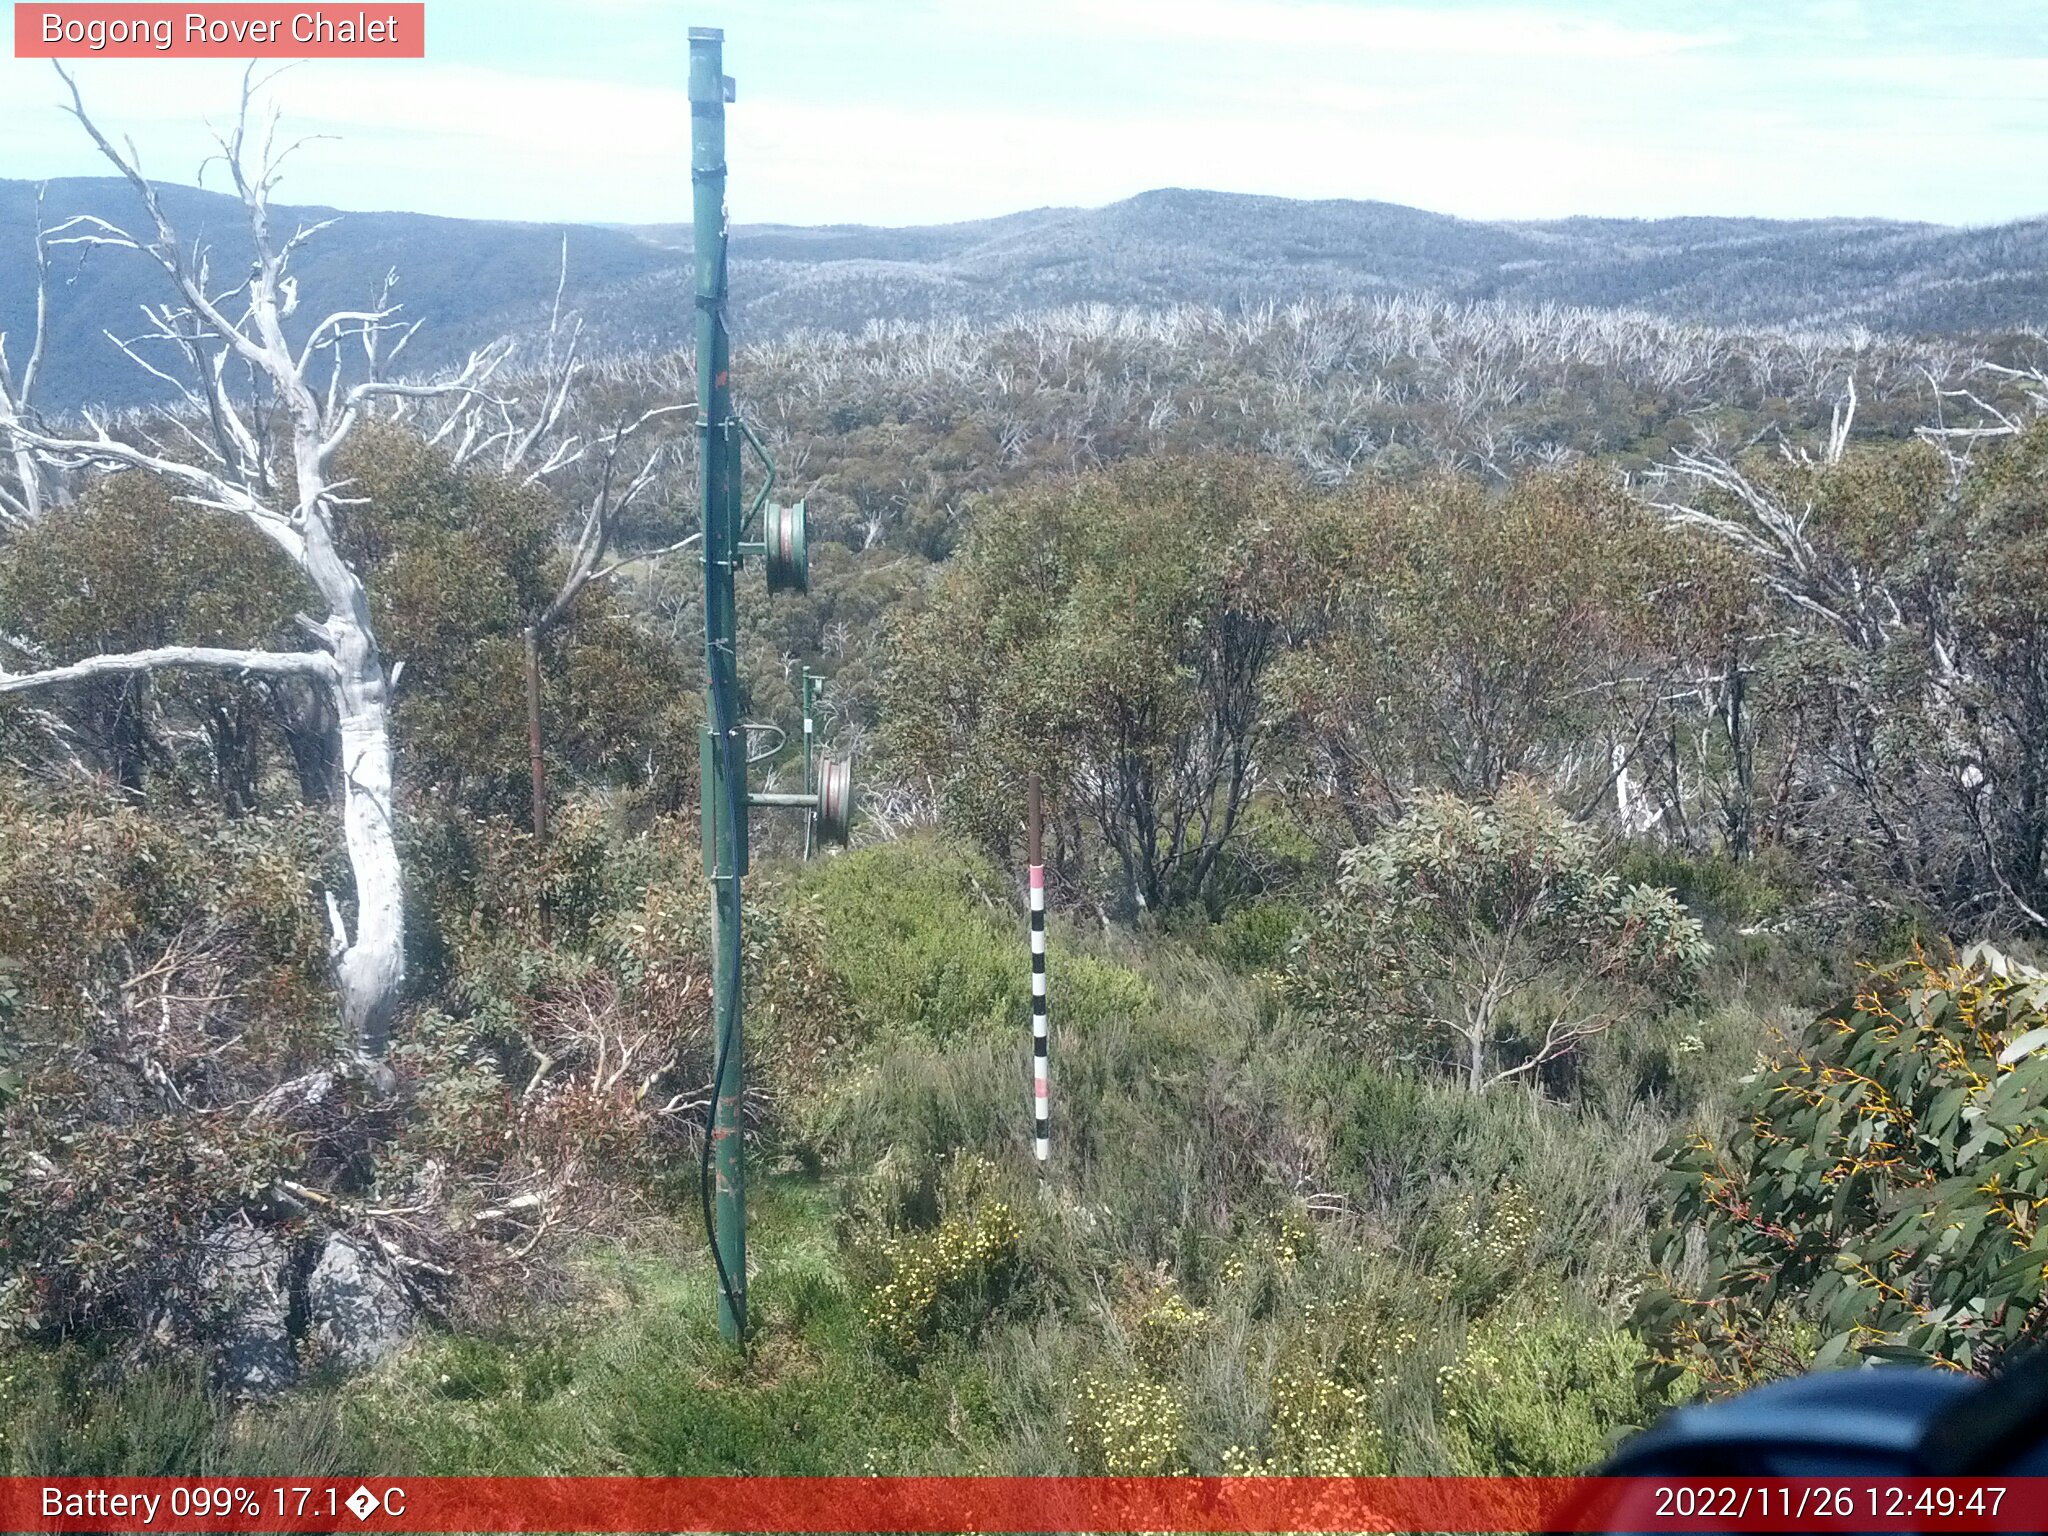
244, 1275
357, 1310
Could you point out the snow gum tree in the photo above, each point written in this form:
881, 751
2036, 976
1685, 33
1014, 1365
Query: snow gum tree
265, 456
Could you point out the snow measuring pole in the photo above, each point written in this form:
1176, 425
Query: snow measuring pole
723, 756
1041, 1025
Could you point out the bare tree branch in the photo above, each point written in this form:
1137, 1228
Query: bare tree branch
313, 664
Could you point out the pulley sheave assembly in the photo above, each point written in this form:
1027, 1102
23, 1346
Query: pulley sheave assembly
784, 544
785, 548
830, 802
833, 816
827, 795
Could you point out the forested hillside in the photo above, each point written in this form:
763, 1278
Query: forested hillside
472, 281
1522, 780
1179, 246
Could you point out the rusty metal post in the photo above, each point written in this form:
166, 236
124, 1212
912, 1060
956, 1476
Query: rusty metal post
536, 759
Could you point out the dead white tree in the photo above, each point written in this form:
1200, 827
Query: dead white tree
1958, 440
1775, 532
22, 501
218, 453
1971, 742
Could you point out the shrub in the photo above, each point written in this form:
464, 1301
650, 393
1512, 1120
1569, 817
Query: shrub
1338, 1358
167, 1064
1128, 1427
1270, 853
1268, 1260
1255, 937
1488, 932
918, 1285
1114, 631
1429, 1161
458, 562
1480, 1249
1735, 893
1540, 1393
129, 566
1320, 1426
1166, 1329
1885, 1185
162, 979
910, 936
915, 937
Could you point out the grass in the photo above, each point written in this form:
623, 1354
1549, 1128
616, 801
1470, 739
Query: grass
1360, 1269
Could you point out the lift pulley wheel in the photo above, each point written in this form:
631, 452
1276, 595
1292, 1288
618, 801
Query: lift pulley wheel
785, 548
835, 800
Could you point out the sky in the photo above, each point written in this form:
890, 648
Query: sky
926, 111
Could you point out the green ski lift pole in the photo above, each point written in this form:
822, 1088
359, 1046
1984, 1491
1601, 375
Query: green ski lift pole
782, 547
723, 766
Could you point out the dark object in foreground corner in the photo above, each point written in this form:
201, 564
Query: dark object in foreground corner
1889, 1421
1885, 1422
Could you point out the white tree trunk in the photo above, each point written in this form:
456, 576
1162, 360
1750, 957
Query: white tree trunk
29, 484
370, 971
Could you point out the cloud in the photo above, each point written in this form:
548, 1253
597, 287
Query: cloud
1329, 27
929, 110
444, 138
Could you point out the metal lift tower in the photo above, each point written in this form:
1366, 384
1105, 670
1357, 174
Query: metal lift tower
723, 760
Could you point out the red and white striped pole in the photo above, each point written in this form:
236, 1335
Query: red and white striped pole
1041, 1092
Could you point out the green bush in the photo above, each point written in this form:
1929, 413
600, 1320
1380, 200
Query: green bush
1693, 1065
1479, 1246
1487, 938
1166, 1329
1127, 1427
68, 1412
130, 566
1270, 853
1540, 1392
1255, 937
1432, 1161
1112, 631
165, 975
917, 1285
1884, 1186
923, 940
910, 935
1731, 893
1321, 1425
1338, 1356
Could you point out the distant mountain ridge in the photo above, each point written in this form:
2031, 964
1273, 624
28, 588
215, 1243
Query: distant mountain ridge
469, 279
1225, 248
472, 279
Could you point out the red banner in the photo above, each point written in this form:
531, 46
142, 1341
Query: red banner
1020, 1504
265, 31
